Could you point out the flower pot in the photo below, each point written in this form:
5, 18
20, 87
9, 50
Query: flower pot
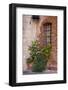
39, 63
29, 66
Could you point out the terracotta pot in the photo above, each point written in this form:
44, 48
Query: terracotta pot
29, 66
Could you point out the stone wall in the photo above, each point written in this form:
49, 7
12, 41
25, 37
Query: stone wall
29, 35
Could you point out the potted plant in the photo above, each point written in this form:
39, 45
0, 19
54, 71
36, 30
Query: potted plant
29, 63
38, 57
39, 63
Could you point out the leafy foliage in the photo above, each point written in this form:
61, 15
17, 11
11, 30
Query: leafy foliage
34, 49
39, 56
29, 60
39, 63
46, 51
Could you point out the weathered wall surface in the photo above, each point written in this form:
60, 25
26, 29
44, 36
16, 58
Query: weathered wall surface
29, 34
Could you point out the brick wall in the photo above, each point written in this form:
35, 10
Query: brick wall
52, 64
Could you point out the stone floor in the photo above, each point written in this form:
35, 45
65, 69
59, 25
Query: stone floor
44, 72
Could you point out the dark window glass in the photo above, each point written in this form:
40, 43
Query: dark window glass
47, 30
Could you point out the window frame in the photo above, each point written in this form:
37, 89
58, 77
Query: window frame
45, 30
